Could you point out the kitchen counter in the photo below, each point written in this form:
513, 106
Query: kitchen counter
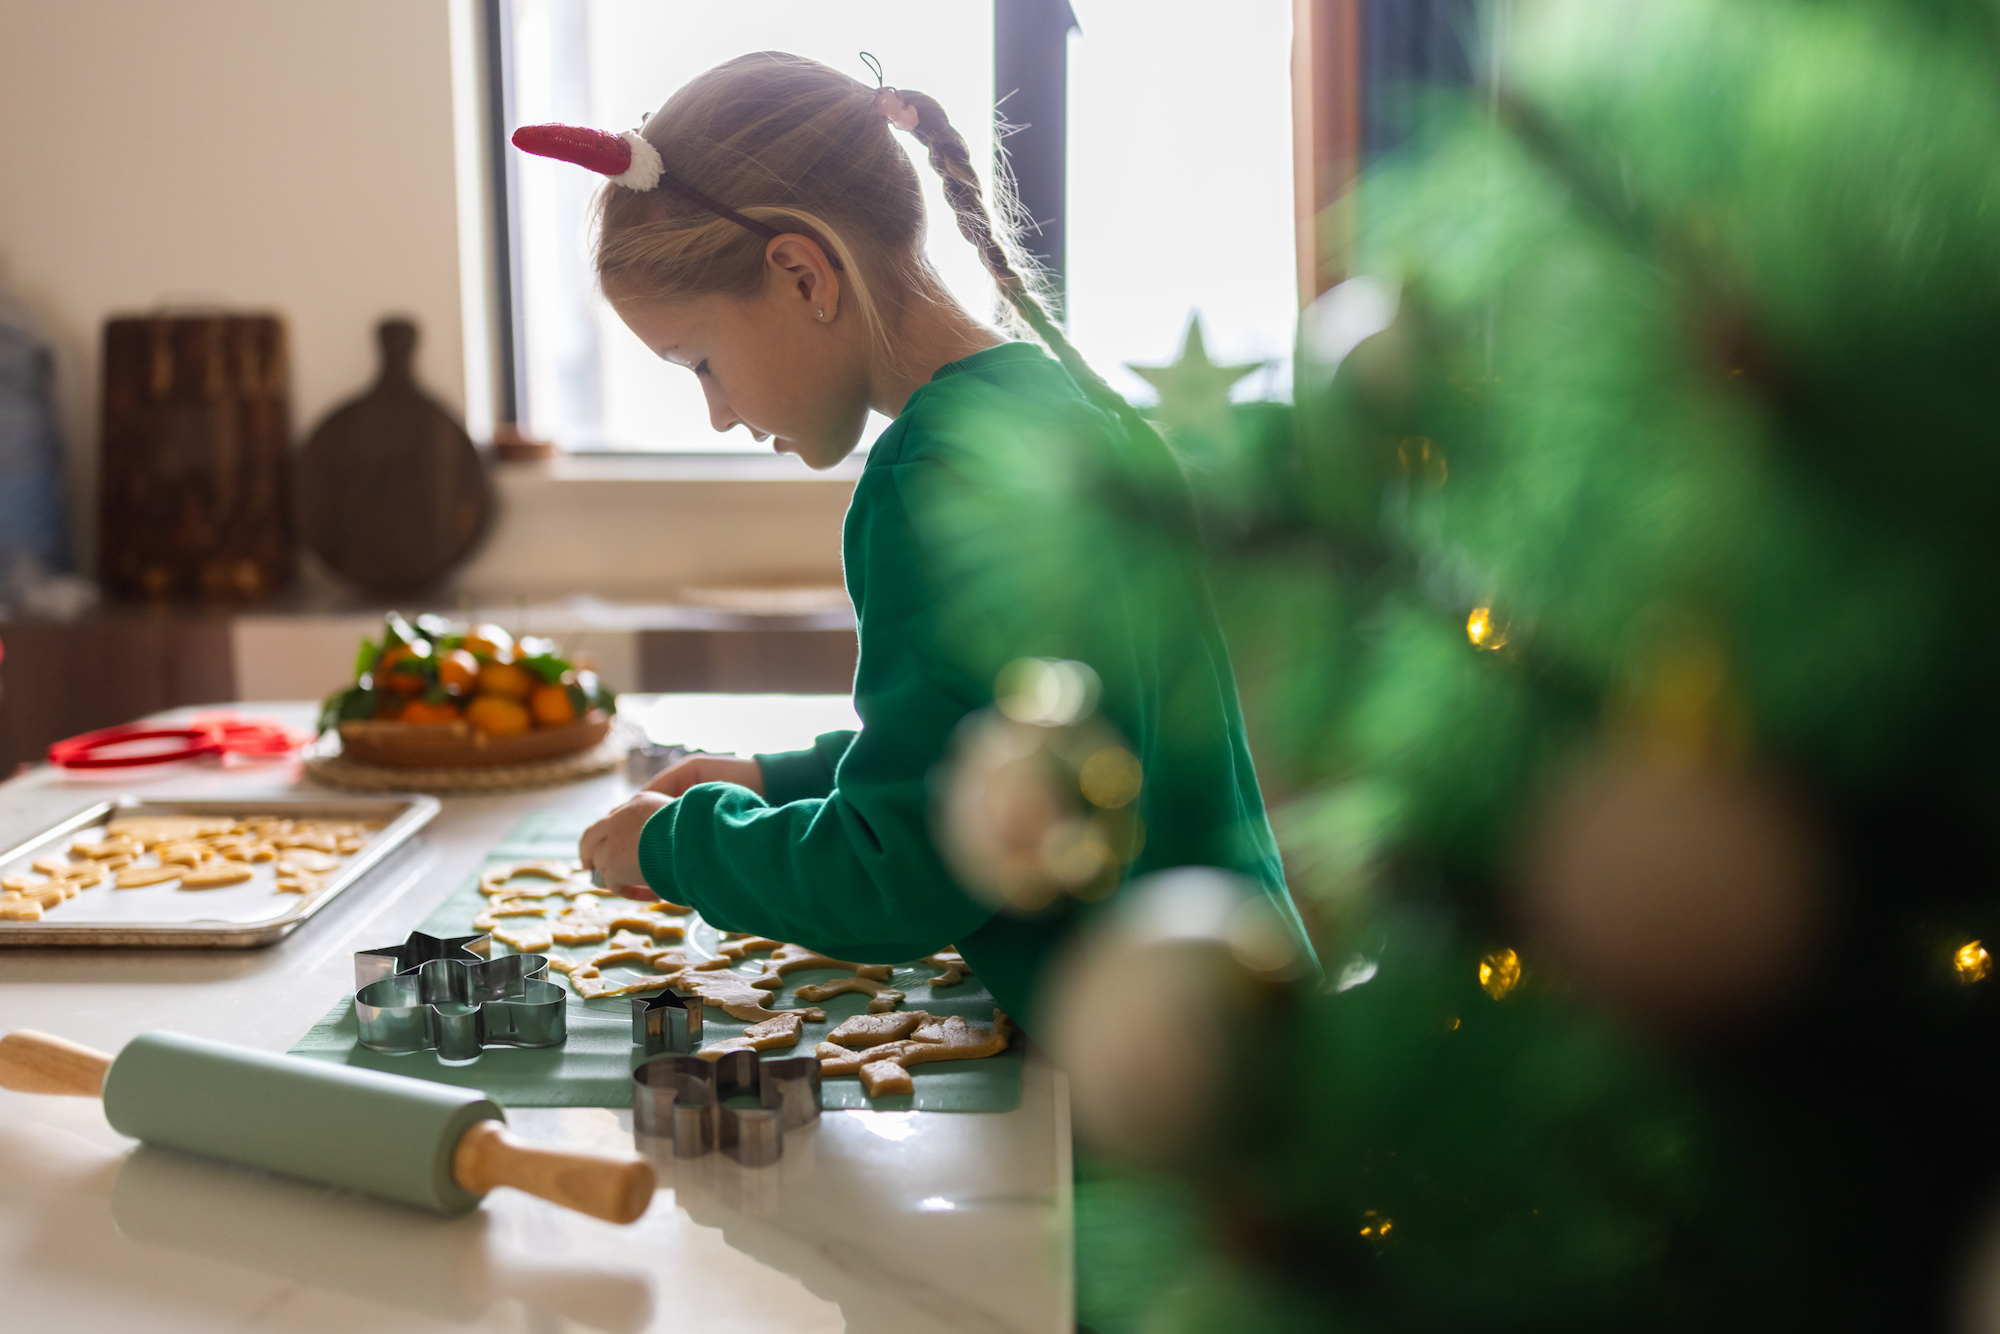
872, 1221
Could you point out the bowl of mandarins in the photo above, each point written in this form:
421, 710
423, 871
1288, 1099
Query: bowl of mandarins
440, 695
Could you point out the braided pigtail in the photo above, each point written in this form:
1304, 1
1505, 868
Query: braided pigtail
952, 161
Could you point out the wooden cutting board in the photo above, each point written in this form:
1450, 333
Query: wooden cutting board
196, 446
391, 493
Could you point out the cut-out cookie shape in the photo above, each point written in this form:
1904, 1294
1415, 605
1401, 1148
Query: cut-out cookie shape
578, 924
490, 916
771, 1035
149, 830
668, 966
183, 854
588, 924
216, 874
110, 847
305, 861
786, 959
881, 996
563, 877
953, 964
741, 997
884, 1068
872, 1030
739, 947
198, 853
535, 939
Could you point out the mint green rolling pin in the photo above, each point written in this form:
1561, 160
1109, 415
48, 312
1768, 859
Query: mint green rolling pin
431, 1145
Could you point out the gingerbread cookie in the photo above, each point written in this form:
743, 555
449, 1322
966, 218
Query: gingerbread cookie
138, 877
199, 852
881, 996
668, 965
216, 874
772, 1034
494, 881
953, 964
872, 1030
884, 1068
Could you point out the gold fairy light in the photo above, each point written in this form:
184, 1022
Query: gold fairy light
1499, 973
1375, 1227
1111, 778
1484, 631
1971, 962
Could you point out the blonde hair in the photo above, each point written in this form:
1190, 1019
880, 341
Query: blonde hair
801, 147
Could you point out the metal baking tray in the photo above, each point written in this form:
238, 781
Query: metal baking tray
252, 913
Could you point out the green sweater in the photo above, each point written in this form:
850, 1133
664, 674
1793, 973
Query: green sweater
837, 853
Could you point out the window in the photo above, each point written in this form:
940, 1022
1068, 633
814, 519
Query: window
1180, 187
1179, 181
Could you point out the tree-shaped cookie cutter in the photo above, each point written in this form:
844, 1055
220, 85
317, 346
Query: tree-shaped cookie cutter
686, 1099
460, 1008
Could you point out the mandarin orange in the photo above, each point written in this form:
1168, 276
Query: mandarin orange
498, 715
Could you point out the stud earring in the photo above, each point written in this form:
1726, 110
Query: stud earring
822, 312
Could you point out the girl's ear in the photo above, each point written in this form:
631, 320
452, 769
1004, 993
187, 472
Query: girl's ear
802, 274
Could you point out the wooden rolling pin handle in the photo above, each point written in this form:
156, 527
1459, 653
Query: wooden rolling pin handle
32, 1062
614, 1189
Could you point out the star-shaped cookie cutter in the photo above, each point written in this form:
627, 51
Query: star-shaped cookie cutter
667, 1023
416, 949
456, 1006
686, 1099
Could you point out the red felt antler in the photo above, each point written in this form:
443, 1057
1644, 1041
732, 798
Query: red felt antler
599, 150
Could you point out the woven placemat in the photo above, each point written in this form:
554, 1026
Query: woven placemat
325, 765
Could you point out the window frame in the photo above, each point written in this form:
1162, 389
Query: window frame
1030, 62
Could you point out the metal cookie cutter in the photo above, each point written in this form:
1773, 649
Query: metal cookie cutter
687, 1099
417, 949
462, 1008
666, 1023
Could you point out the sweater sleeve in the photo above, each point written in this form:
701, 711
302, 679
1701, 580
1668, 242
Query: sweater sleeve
852, 872
793, 775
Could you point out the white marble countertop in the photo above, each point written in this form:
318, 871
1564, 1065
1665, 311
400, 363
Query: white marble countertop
872, 1221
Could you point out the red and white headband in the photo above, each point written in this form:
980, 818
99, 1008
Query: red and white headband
629, 160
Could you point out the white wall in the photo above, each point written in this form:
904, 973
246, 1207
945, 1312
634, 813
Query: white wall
304, 158
264, 155
643, 531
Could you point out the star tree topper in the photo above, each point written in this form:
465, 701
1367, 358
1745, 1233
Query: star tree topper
1194, 391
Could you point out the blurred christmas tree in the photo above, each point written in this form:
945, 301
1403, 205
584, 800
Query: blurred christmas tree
1618, 624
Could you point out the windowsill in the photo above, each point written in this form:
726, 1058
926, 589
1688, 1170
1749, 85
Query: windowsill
639, 528
638, 466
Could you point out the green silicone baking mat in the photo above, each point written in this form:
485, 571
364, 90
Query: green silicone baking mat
592, 1068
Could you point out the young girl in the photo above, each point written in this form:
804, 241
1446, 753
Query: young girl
765, 230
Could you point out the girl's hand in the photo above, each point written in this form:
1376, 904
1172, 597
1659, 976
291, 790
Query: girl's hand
709, 769
611, 846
